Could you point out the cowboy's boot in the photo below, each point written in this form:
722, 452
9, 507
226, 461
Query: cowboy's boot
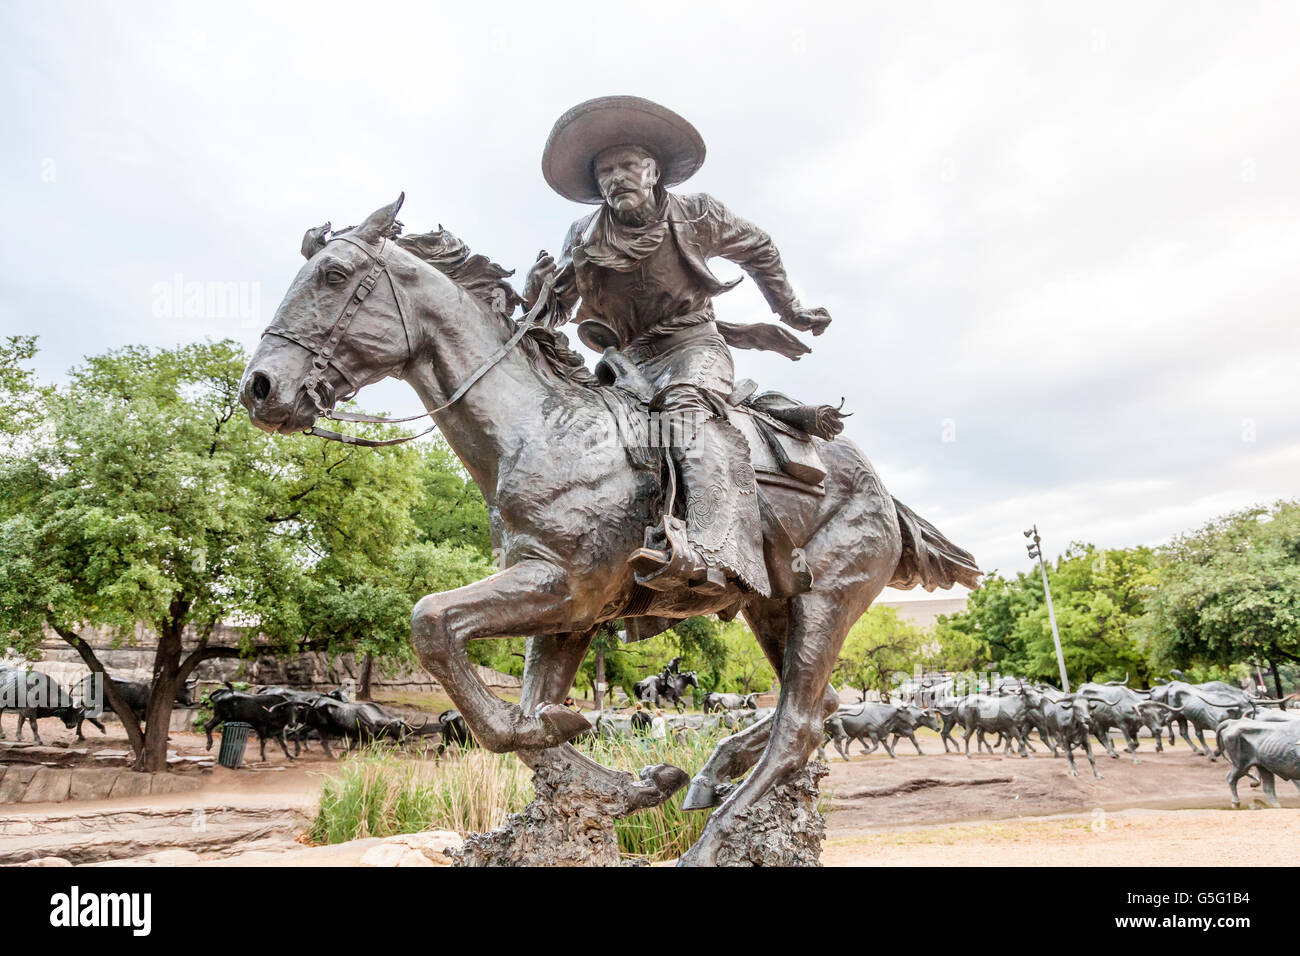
721, 536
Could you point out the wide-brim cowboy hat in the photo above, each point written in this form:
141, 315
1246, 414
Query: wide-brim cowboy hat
596, 125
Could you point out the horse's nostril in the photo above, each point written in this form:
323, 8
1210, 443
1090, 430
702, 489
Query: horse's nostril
261, 386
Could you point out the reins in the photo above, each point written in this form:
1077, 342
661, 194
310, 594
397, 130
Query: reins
324, 354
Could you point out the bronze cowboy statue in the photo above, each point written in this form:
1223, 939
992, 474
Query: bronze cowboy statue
778, 518
639, 266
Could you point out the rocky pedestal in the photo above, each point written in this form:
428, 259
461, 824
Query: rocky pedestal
568, 824
571, 823
784, 828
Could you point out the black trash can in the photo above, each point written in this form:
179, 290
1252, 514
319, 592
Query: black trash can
234, 737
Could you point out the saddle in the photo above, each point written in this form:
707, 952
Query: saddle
782, 454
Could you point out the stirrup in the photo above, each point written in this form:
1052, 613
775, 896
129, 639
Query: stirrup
678, 566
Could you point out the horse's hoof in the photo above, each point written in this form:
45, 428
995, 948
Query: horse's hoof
560, 724
701, 796
703, 853
657, 784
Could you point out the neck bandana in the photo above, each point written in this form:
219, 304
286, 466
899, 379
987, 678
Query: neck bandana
621, 246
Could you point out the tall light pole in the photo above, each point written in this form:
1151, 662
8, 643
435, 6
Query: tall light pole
1036, 551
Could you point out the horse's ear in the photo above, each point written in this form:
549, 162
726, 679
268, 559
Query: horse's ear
379, 224
313, 240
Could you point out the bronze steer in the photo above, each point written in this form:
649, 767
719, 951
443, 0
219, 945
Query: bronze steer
35, 695
867, 720
1270, 746
270, 715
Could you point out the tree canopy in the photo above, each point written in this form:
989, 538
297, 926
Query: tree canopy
1229, 592
1214, 603
149, 499
880, 645
19, 392
1098, 596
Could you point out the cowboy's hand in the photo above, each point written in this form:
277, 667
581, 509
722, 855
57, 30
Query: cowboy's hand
809, 320
543, 269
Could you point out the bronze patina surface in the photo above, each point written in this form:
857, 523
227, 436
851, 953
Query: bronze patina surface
571, 497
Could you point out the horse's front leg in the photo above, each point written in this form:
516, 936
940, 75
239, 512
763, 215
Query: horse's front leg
550, 664
531, 597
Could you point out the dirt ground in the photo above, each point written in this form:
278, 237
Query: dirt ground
876, 791
1110, 838
1169, 809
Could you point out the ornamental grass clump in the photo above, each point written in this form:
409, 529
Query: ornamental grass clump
380, 792
666, 831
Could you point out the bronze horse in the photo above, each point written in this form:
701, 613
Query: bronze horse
565, 515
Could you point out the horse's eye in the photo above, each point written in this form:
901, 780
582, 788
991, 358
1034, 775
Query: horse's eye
335, 276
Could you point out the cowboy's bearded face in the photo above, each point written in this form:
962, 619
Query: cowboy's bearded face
626, 176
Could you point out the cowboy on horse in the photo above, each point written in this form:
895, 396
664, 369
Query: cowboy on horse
370, 303
639, 266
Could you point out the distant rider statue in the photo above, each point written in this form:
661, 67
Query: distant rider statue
639, 265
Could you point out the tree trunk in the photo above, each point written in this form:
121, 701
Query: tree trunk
134, 734
367, 669
1277, 682
162, 698
598, 694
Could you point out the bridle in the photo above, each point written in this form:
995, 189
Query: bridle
316, 390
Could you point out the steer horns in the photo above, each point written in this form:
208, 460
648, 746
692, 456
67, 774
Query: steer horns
1156, 703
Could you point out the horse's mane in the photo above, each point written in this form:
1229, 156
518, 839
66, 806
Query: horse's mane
477, 275
486, 281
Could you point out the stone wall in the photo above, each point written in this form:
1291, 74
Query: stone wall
309, 671
24, 783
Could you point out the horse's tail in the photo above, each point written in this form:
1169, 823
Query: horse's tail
929, 559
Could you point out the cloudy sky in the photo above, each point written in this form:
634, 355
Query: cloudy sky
1061, 243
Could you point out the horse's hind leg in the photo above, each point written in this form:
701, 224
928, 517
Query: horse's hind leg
550, 664
531, 597
769, 621
818, 624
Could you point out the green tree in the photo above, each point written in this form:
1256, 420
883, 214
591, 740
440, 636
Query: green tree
985, 631
607, 654
747, 669
20, 395
879, 645
1098, 595
1229, 593
451, 508
698, 641
152, 500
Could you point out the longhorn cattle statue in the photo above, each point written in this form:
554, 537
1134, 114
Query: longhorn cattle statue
1270, 746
